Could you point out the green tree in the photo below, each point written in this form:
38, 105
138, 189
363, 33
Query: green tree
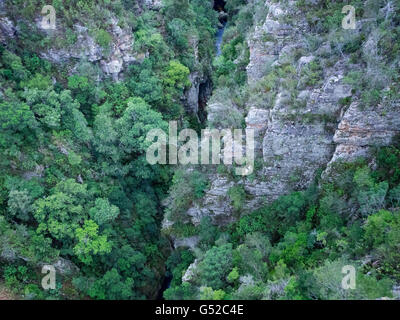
208, 293
90, 243
20, 204
60, 213
137, 120
17, 122
215, 266
175, 80
103, 212
112, 286
370, 195
103, 38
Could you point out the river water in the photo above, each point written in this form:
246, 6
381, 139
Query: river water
219, 35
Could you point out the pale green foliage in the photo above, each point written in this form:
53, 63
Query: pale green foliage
328, 279
371, 195
103, 212
137, 120
61, 212
74, 159
20, 204
207, 293
233, 275
177, 75
103, 38
218, 118
186, 188
90, 243
237, 194
254, 252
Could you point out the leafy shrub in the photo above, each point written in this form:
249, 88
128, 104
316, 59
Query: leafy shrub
216, 265
311, 74
103, 38
237, 194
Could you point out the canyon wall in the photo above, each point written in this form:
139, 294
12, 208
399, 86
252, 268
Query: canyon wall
302, 125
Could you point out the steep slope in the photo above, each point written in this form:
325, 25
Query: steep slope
319, 97
301, 106
76, 104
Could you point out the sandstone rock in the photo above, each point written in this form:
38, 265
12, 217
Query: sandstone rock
247, 280
295, 135
257, 119
153, 4
275, 10
190, 242
303, 61
196, 96
267, 41
112, 63
215, 203
396, 292
112, 67
361, 129
190, 272
38, 172
192, 94
7, 29
63, 267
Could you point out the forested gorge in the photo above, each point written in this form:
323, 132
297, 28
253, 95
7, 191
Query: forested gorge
75, 183
296, 246
77, 192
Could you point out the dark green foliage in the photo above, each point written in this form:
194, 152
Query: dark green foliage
388, 160
277, 218
75, 184
177, 263
237, 194
75, 181
301, 242
216, 265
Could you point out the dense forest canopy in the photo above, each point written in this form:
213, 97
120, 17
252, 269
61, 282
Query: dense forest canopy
77, 192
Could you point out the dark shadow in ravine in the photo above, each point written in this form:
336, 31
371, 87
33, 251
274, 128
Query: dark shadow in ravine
219, 6
205, 90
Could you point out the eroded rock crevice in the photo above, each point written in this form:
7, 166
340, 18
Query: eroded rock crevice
198, 95
296, 134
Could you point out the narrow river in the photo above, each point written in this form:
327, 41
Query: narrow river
219, 36
218, 44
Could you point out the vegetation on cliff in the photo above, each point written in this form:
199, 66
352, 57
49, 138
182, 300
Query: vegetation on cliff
76, 189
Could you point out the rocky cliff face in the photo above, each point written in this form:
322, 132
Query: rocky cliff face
303, 125
112, 61
359, 130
